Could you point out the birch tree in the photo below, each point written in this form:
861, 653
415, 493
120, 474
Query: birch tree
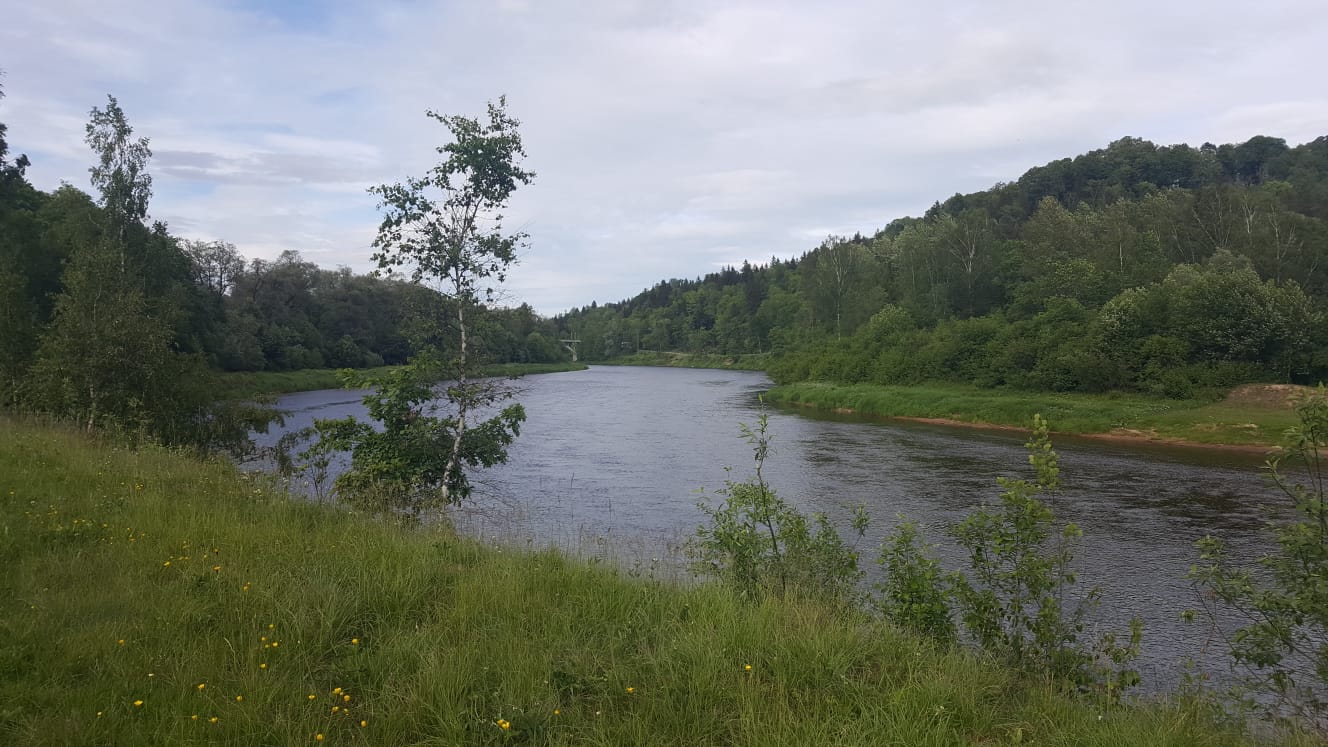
444, 229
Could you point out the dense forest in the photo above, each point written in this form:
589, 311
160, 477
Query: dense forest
1138, 266
109, 319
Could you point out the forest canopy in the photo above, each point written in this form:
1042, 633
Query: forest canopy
1138, 266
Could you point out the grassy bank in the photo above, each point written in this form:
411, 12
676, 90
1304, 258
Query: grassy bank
528, 369
1246, 418
748, 362
245, 384
148, 599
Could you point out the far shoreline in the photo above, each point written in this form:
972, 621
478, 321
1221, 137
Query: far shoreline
1133, 439
1249, 421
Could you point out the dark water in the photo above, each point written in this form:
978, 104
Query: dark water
610, 461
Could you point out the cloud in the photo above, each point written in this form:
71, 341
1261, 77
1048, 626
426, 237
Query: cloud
669, 137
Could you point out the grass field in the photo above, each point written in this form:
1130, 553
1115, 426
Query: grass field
1247, 418
149, 599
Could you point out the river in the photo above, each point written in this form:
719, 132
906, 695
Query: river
611, 459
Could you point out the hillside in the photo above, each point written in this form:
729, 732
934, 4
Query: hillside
1157, 269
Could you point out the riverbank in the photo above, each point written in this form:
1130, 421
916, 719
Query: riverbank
746, 362
152, 599
247, 385
1251, 418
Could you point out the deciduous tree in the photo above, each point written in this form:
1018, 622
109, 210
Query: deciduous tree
445, 229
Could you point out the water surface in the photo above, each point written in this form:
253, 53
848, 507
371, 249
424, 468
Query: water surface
612, 460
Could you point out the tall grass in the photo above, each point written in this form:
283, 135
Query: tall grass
1198, 420
151, 599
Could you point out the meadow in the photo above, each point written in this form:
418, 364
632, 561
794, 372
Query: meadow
152, 598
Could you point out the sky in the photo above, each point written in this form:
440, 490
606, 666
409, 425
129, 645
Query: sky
669, 138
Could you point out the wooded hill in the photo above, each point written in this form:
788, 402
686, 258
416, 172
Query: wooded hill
1137, 266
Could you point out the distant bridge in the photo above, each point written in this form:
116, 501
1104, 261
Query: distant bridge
571, 345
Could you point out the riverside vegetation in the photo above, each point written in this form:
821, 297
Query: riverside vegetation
1249, 416
239, 385
226, 612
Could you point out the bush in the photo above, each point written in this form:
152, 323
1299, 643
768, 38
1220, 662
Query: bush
1284, 598
913, 594
1015, 601
759, 545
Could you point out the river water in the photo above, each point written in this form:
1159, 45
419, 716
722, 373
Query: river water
610, 462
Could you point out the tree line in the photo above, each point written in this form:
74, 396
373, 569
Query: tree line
109, 319
1137, 266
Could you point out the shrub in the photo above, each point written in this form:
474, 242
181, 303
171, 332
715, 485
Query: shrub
758, 544
1283, 648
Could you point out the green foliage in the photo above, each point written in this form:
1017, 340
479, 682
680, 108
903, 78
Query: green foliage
758, 544
120, 174
914, 593
104, 357
446, 229
114, 347
400, 461
1014, 599
1056, 282
1283, 647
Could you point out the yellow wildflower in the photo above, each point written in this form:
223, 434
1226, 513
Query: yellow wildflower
355, 641
239, 698
212, 720
336, 691
194, 717
747, 667
312, 696
318, 737
263, 665
138, 704
504, 725
346, 698
631, 690
363, 724
202, 685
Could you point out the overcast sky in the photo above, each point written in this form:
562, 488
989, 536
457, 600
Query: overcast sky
669, 138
